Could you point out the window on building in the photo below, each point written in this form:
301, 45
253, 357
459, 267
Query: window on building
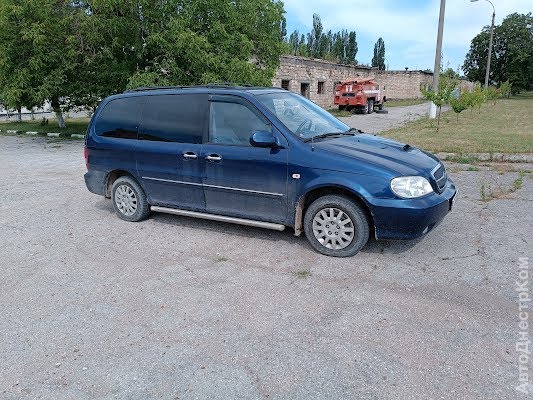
320, 88
285, 84
174, 118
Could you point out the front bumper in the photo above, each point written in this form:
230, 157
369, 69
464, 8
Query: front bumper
396, 219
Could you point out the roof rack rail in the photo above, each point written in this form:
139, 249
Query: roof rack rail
228, 84
144, 88
224, 85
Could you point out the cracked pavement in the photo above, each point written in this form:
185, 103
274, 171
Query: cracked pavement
177, 308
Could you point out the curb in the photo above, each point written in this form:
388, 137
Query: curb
490, 157
47, 134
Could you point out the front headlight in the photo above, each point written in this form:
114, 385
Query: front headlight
410, 187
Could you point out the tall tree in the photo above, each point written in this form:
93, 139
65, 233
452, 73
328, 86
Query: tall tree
314, 40
512, 53
351, 48
378, 60
294, 42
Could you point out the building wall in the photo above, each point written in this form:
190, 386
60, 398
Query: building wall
298, 70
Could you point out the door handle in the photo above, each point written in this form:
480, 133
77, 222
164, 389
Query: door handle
189, 155
213, 157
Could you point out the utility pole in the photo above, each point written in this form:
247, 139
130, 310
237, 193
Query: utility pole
490, 49
487, 72
438, 53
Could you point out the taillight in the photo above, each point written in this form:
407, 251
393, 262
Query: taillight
86, 155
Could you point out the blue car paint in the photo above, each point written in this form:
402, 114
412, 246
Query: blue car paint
362, 164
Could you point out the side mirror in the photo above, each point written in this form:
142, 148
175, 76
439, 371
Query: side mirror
263, 139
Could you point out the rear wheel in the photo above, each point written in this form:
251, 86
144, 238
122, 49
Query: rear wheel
336, 226
129, 200
370, 106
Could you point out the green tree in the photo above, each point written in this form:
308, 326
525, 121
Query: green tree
209, 40
110, 41
294, 43
351, 49
443, 94
37, 58
379, 55
512, 53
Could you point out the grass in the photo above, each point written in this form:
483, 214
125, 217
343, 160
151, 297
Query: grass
403, 103
221, 259
78, 125
302, 274
488, 193
339, 113
506, 127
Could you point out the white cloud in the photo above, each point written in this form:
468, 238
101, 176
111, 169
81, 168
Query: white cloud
410, 33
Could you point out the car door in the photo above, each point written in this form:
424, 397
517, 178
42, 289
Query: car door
170, 144
241, 180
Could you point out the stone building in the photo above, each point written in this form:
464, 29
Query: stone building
316, 79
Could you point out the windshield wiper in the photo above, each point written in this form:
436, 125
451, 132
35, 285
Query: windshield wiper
330, 134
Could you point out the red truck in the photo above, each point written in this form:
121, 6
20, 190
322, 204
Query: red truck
359, 94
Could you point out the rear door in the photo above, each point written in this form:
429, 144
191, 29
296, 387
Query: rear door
242, 180
170, 144
114, 144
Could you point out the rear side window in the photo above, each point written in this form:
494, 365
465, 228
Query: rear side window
174, 118
120, 118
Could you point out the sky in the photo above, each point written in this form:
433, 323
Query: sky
408, 27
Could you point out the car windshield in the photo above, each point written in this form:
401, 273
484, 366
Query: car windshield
302, 117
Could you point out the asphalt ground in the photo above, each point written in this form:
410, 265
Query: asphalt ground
394, 118
176, 308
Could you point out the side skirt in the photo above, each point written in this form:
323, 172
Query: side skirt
220, 218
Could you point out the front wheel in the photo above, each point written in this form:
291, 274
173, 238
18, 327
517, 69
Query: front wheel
129, 200
336, 226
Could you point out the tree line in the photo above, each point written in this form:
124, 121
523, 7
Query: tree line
339, 46
76, 52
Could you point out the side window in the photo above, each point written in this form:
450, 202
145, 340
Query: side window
174, 118
233, 123
120, 118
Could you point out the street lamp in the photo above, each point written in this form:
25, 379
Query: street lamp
490, 42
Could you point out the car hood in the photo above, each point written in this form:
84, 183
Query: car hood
371, 150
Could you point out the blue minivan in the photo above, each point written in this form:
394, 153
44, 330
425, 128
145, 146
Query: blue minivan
261, 157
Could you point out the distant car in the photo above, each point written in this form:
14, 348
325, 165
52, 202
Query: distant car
261, 157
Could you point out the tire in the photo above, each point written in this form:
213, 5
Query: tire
319, 217
341, 108
129, 200
370, 106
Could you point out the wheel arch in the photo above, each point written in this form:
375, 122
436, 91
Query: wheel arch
112, 176
314, 193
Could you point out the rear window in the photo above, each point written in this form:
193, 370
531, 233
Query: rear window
174, 118
120, 118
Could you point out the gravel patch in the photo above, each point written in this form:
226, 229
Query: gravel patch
95, 307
